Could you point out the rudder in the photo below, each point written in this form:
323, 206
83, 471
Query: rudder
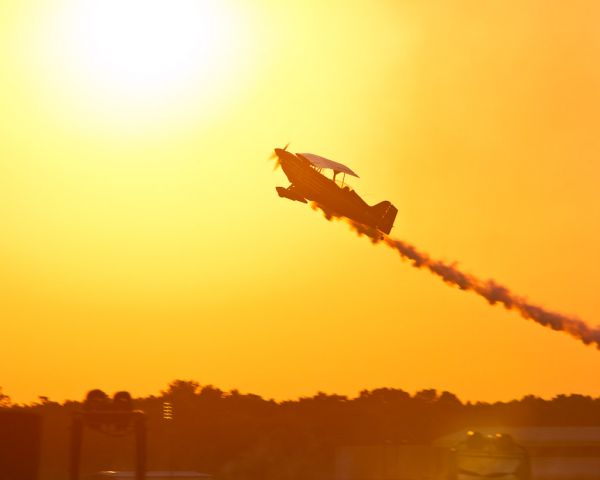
385, 213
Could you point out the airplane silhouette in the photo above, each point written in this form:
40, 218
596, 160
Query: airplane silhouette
303, 170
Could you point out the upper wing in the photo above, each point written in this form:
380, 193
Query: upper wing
322, 162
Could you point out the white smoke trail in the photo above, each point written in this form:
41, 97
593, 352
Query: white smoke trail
487, 289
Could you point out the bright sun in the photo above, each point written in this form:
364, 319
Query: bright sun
146, 53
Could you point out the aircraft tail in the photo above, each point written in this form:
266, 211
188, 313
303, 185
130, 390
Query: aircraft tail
385, 214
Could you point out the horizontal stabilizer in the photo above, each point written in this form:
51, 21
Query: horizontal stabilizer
290, 193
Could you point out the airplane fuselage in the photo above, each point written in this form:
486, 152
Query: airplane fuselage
307, 183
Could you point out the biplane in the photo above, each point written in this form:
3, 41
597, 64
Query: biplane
334, 196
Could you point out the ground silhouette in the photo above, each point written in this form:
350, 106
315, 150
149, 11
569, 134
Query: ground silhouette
235, 435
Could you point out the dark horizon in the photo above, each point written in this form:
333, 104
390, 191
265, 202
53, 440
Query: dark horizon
6, 400
239, 436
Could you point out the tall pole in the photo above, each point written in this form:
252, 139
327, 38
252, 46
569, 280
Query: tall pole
168, 419
75, 447
140, 446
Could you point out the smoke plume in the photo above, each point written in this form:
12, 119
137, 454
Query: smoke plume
488, 289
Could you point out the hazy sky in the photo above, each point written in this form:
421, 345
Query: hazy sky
143, 240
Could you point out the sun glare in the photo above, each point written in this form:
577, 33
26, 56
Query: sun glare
141, 54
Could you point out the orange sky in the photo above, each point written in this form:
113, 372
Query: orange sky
143, 240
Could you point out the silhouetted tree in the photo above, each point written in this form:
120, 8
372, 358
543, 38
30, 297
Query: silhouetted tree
4, 399
244, 436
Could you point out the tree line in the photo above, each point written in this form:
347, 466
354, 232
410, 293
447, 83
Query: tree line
244, 436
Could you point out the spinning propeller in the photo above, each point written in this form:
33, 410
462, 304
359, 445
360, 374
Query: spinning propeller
275, 157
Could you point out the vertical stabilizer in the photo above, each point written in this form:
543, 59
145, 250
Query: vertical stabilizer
385, 214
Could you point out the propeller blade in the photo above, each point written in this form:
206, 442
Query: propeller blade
274, 156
